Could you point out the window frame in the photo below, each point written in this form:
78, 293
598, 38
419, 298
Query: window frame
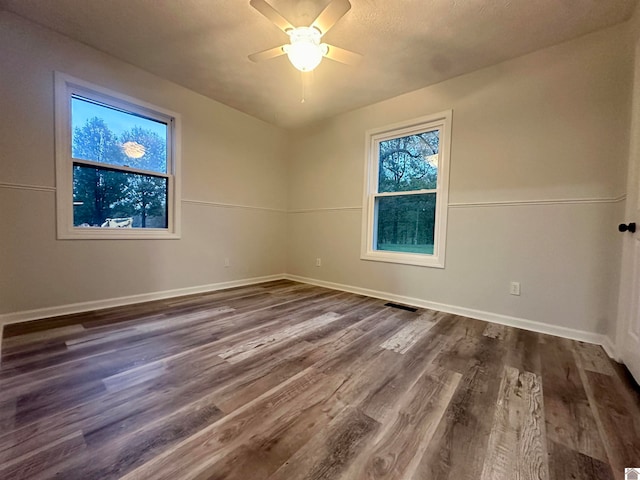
439, 121
65, 87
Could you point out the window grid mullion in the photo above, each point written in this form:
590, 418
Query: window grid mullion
410, 192
119, 168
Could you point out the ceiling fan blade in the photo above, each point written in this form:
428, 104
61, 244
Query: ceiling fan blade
267, 54
331, 14
343, 56
272, 14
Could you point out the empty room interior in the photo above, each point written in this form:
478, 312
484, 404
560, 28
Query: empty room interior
319, 239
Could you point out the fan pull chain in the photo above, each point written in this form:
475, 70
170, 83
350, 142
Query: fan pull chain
306, 78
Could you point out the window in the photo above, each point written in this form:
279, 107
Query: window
117, 165
406, 190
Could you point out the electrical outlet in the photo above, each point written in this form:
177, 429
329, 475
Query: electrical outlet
514, 288
227, 263
318, 262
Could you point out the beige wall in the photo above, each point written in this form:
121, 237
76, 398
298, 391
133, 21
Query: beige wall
218, 164
552, 125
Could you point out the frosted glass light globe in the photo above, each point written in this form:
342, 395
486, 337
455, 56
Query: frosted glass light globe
305, 51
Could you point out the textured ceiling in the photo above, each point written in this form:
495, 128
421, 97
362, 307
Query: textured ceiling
407, 44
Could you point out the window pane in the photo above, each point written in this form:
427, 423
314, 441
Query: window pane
114, 137
406, 223
409, 163
110, 198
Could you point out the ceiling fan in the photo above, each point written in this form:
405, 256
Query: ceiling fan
304, 49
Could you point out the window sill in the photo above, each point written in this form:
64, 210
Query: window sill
404, 259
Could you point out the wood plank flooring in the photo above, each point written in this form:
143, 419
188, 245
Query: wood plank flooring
285, 381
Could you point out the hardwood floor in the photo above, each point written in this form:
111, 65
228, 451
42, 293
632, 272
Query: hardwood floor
289, 381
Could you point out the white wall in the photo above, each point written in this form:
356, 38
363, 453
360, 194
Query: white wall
227, 157
552, 125
549, 126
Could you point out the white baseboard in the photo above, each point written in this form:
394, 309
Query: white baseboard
573, 334
570, 333
48, 312
610, 348
28, 315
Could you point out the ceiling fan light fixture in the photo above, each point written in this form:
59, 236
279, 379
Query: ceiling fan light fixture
305, 51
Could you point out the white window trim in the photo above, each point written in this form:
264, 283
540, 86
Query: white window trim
441, 121
65, 86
